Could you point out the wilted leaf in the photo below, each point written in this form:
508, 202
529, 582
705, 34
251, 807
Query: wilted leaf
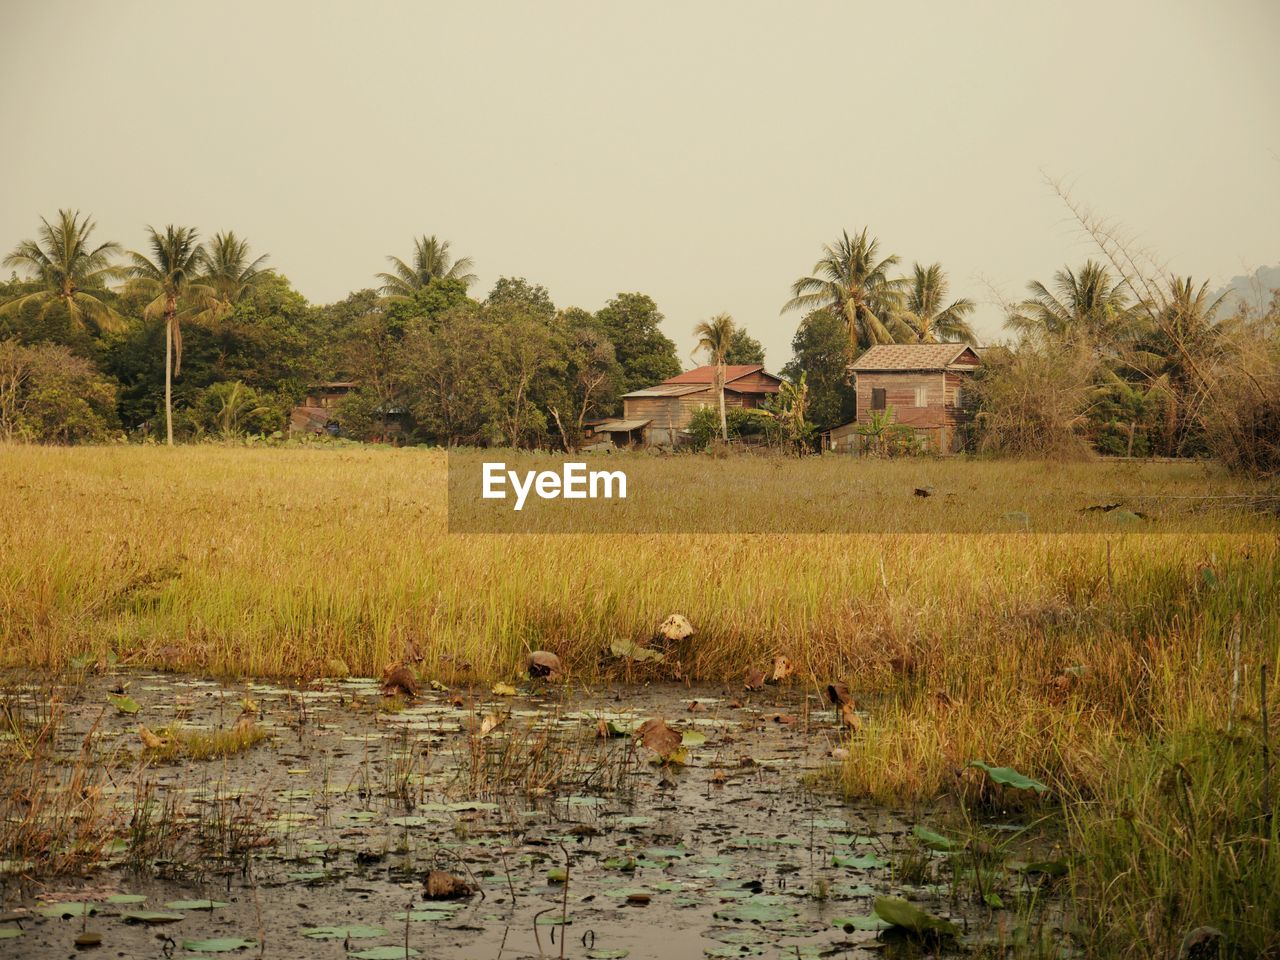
441, 885
491, 722
782, 668
627, 650
398, 680
754, 679
675, 628
658, 737
544, 664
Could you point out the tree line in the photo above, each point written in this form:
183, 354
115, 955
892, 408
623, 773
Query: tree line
193, 338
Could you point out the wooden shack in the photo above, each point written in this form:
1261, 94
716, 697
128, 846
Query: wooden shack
924, 386
660, 415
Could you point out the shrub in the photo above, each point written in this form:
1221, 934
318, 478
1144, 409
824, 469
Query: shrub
50, 395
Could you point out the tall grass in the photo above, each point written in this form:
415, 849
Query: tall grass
1096, 664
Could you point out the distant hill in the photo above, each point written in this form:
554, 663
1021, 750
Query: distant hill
1253, 290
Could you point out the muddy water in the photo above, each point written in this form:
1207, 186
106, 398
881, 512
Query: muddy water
315, 842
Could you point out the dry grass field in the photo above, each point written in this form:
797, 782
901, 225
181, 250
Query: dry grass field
1121, 669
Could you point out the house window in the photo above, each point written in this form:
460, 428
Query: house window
877, 398
959, 398
922, 396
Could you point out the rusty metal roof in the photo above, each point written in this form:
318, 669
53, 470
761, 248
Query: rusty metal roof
622, 426
916, 356
667, 390
707, 374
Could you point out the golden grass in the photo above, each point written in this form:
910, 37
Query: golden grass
278, 562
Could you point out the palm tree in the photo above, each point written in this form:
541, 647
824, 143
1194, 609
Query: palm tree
715, 338
926, 317
171, 277
431, 261
1084, 304
853, 281
229, 272
68, 271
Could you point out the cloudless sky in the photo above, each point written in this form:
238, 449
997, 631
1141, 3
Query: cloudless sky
700, 152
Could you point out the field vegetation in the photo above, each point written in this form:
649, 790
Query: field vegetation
1125, 672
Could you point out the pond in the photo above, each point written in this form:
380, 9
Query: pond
565, 835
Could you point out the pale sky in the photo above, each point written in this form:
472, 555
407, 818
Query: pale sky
699, 152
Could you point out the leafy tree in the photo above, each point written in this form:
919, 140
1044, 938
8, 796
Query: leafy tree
171, 277
69, 272
594, 372
819, 355
431, 261
632, 323
448, 377
50, 395
714, 338
852, 281
744, 348
527, 359
927, 314
517, 293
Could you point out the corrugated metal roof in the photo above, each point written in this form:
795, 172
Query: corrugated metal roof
622, 426
666, 390
912, 356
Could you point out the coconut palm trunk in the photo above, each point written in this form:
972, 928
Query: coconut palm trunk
168, 377
724, 422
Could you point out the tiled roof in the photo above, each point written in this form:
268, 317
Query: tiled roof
914, 356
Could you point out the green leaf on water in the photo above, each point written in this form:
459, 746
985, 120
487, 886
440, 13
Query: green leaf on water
547, 920
150, 917
1008, 777
123, 702
557, 875
727, 950
8, 933
603, 954
122, 898
194, 905
935, 841
865, 861
425, 916
763, 909
692, 738
849, 924
384, 953
993, 900
906, 916
343, 933
66, 910
218, 945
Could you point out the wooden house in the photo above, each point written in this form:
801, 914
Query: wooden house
660, 415
924, 386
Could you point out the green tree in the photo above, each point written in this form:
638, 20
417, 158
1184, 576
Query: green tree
50, 395
448, 379
820, 356
171, 277
714, 338
852, 281
68, 272
744, 349
431, 261
926, 312
632, 323
519, 293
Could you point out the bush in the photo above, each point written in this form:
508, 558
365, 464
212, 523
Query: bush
230, 409
704, 425
50, 395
